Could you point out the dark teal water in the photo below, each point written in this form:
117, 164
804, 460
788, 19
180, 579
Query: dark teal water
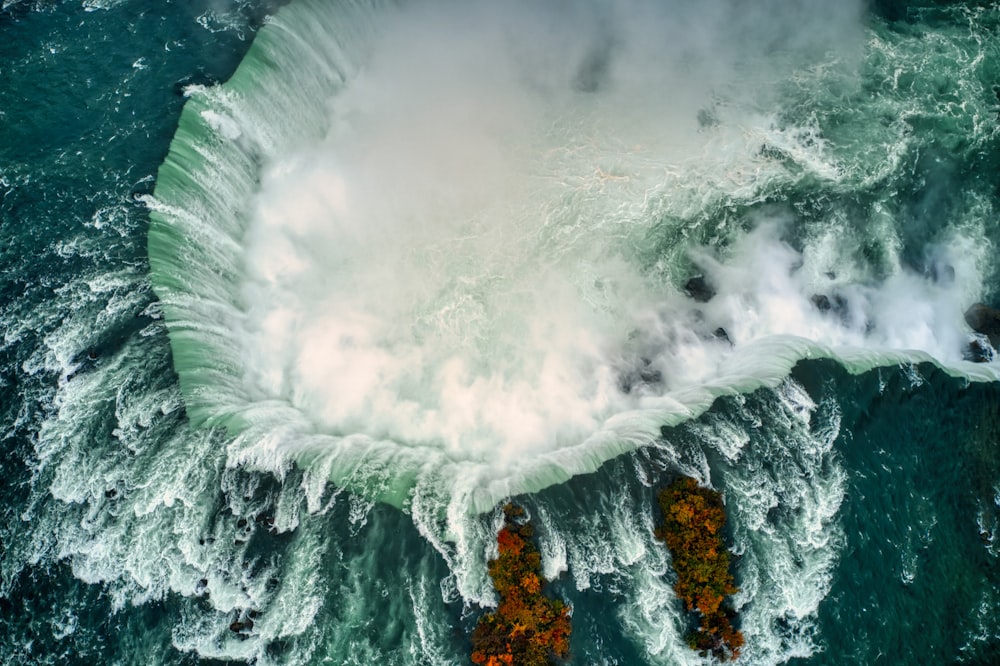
917, 579
863, 508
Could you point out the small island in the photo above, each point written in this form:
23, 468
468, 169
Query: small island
527, 628
693, 518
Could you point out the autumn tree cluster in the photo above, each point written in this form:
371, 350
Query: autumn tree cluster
692, 528
527, 628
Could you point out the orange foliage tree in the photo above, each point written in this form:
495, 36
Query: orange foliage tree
527, 628
693, 518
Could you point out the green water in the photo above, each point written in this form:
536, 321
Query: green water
169, 470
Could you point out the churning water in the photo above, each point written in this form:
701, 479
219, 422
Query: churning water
411, 259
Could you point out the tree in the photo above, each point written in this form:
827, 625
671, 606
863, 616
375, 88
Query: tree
527, 628
693, 521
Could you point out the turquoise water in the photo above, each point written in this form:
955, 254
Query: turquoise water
288, 306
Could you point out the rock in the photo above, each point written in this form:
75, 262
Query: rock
265, 520
720, 334
241, 523
825, 303
986, 321
645, 373
822, 302
699, 289
239, 626
979, 350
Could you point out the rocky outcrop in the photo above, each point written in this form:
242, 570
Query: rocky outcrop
979, 350
984, 320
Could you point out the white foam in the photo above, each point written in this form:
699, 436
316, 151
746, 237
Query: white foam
404, 267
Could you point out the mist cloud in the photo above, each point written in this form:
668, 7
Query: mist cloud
454, 264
